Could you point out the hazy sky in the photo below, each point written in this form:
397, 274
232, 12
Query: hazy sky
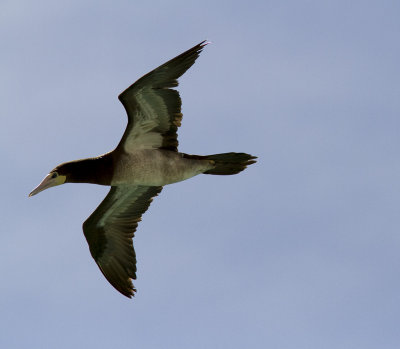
302, 250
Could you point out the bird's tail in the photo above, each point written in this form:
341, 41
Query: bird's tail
227, 163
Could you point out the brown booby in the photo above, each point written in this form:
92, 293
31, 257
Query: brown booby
145, 160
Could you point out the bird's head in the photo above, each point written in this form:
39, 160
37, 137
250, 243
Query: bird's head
57, 176
78, 171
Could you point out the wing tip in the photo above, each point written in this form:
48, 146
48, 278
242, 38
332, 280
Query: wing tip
199, 47
205, 43
129, 293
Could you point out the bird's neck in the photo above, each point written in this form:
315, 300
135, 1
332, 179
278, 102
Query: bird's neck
97, 170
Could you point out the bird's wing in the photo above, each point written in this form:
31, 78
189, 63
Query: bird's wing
154, 108
110, 229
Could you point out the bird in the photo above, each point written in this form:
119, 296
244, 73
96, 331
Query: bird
145, 160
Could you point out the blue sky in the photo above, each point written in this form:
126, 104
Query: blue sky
299, 251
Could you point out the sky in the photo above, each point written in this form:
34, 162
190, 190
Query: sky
299, 251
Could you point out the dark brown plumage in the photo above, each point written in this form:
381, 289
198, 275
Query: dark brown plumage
145, 160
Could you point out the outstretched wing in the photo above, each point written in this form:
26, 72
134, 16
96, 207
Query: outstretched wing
110, 229
154, 108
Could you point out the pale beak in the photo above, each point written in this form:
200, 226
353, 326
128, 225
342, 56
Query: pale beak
48, 182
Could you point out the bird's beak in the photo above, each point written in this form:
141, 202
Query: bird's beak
48, 182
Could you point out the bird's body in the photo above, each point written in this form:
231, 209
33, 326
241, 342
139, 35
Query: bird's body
145, 160
156, 168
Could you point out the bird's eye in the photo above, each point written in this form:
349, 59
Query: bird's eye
54, 175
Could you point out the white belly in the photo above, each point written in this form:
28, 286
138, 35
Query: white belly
155, 167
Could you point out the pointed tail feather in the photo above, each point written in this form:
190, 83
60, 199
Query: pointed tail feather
226, 163
230, 163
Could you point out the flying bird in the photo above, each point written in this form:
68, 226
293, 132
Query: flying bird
145, 160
